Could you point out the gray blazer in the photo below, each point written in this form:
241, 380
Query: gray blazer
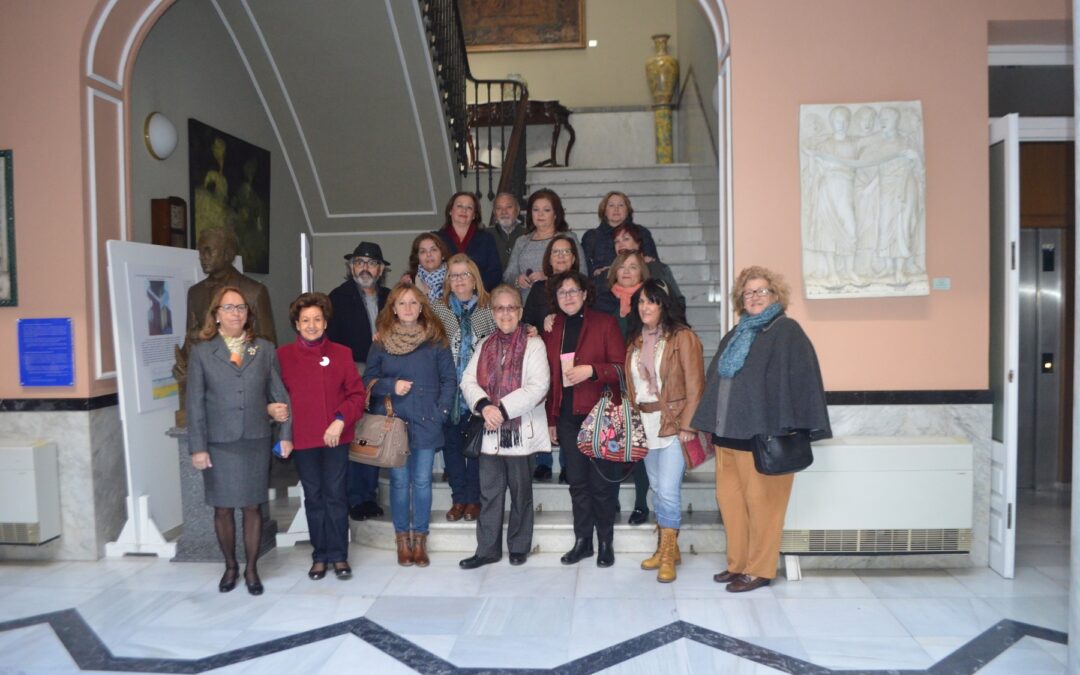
226, 403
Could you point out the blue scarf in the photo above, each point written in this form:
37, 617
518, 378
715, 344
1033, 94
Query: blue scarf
463, 311
734, 356
433, 281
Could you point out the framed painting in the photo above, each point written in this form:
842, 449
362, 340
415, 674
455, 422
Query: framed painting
516, 25
230, 187
9, 295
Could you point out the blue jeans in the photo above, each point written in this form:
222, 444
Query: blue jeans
463, 472
665, 468
410, 492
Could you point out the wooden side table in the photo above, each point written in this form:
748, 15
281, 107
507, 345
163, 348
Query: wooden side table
501, 113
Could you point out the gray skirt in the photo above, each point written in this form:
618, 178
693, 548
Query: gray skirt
240, 475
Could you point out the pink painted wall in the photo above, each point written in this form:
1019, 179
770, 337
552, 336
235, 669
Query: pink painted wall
790, 52
40, 121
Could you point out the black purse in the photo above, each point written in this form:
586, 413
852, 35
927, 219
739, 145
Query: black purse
474, 437
786, 453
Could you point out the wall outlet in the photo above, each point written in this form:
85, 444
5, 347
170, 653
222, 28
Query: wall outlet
941, 283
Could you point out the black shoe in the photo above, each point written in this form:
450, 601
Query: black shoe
317, 571
562, 476
357, 512
342, 570
639, 517
582, 549
254, 586
228, 580
371, 509
542, 473
518, 558
606, 555
477, 561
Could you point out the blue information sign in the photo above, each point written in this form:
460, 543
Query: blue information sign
46, 353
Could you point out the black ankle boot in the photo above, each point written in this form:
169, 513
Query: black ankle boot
606, 556
582, 549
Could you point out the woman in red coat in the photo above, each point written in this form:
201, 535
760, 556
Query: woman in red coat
583, 347
327, 397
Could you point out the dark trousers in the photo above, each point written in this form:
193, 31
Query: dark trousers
363, 483
641, 487
496, 475
595, 500
463, 472
322, 473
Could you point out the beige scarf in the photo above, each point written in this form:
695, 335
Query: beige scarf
236, 347
404, 339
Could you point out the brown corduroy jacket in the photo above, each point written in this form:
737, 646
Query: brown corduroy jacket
682, 378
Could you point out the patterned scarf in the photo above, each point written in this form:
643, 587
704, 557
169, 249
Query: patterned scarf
466, 341
499, 372
734, 356
433, 280
236, 347
650, 338
624, 294
404, 339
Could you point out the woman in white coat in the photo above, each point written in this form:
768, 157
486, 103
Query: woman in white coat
506, 382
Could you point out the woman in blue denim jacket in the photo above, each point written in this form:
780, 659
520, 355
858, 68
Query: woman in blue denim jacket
412, 365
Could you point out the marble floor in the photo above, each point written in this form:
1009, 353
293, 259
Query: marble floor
150, 615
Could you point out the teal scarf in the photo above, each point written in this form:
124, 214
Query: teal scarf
736, 351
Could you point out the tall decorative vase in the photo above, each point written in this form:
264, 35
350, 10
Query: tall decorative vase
662, 73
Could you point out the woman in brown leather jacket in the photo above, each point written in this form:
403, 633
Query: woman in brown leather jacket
665, 375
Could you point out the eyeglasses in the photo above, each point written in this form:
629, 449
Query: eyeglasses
561, 252
505, 309
760, 292
454, 276
365, 262
569, 293
233, 308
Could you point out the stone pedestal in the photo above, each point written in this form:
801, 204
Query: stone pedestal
198, 543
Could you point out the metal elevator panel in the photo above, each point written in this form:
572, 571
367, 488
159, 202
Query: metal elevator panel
1042, 338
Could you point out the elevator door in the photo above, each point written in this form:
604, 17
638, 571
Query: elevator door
1041, 375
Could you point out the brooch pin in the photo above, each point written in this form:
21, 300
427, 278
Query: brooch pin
251, 351
325, 361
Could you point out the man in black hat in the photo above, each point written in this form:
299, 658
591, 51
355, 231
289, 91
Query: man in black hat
356, 303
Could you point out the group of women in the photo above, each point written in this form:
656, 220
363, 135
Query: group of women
527, 361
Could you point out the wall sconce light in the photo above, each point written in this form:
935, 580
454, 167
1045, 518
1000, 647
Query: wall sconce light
160, 135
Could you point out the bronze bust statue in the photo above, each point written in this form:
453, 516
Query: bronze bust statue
217, 249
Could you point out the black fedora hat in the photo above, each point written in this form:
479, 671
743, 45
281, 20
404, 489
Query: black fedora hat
366, 249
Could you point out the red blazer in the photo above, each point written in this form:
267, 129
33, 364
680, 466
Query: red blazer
320, 392
601, 346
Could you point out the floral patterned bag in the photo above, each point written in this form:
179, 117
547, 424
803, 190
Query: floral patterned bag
613, 431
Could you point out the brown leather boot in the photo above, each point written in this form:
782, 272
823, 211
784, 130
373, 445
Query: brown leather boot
419, 550
653, 561
404, 549
669, 549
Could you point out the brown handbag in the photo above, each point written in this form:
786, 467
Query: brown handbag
380, 440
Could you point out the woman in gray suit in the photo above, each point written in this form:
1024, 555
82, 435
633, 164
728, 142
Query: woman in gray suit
232, 377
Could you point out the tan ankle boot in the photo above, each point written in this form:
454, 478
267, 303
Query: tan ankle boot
419, 550
404, 549
669, 551
653, 562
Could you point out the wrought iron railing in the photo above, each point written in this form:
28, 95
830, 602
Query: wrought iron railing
486, 117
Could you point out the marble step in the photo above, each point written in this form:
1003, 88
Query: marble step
635, 188
553, 532
677, 235
698, 494
651, 202
584, 221
562, 175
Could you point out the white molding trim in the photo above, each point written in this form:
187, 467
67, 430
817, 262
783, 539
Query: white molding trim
1030, 55
364, 233
125, 54
1046, 129
95, 262
266, 109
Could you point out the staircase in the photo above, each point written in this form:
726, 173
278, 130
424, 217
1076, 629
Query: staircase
663, 201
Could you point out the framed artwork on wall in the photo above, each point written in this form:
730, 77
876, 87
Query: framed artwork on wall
517, 25
230, 187
9, 295
168, 222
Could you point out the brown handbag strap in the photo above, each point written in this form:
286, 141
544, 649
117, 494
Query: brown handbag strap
386, 400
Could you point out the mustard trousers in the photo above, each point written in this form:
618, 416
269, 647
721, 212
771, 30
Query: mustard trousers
752, 506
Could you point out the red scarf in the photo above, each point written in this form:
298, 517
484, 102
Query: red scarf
624, 293
461, 242
500, 371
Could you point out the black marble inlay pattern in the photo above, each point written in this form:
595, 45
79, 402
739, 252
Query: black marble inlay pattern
58, 404
911, 397
90, 653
